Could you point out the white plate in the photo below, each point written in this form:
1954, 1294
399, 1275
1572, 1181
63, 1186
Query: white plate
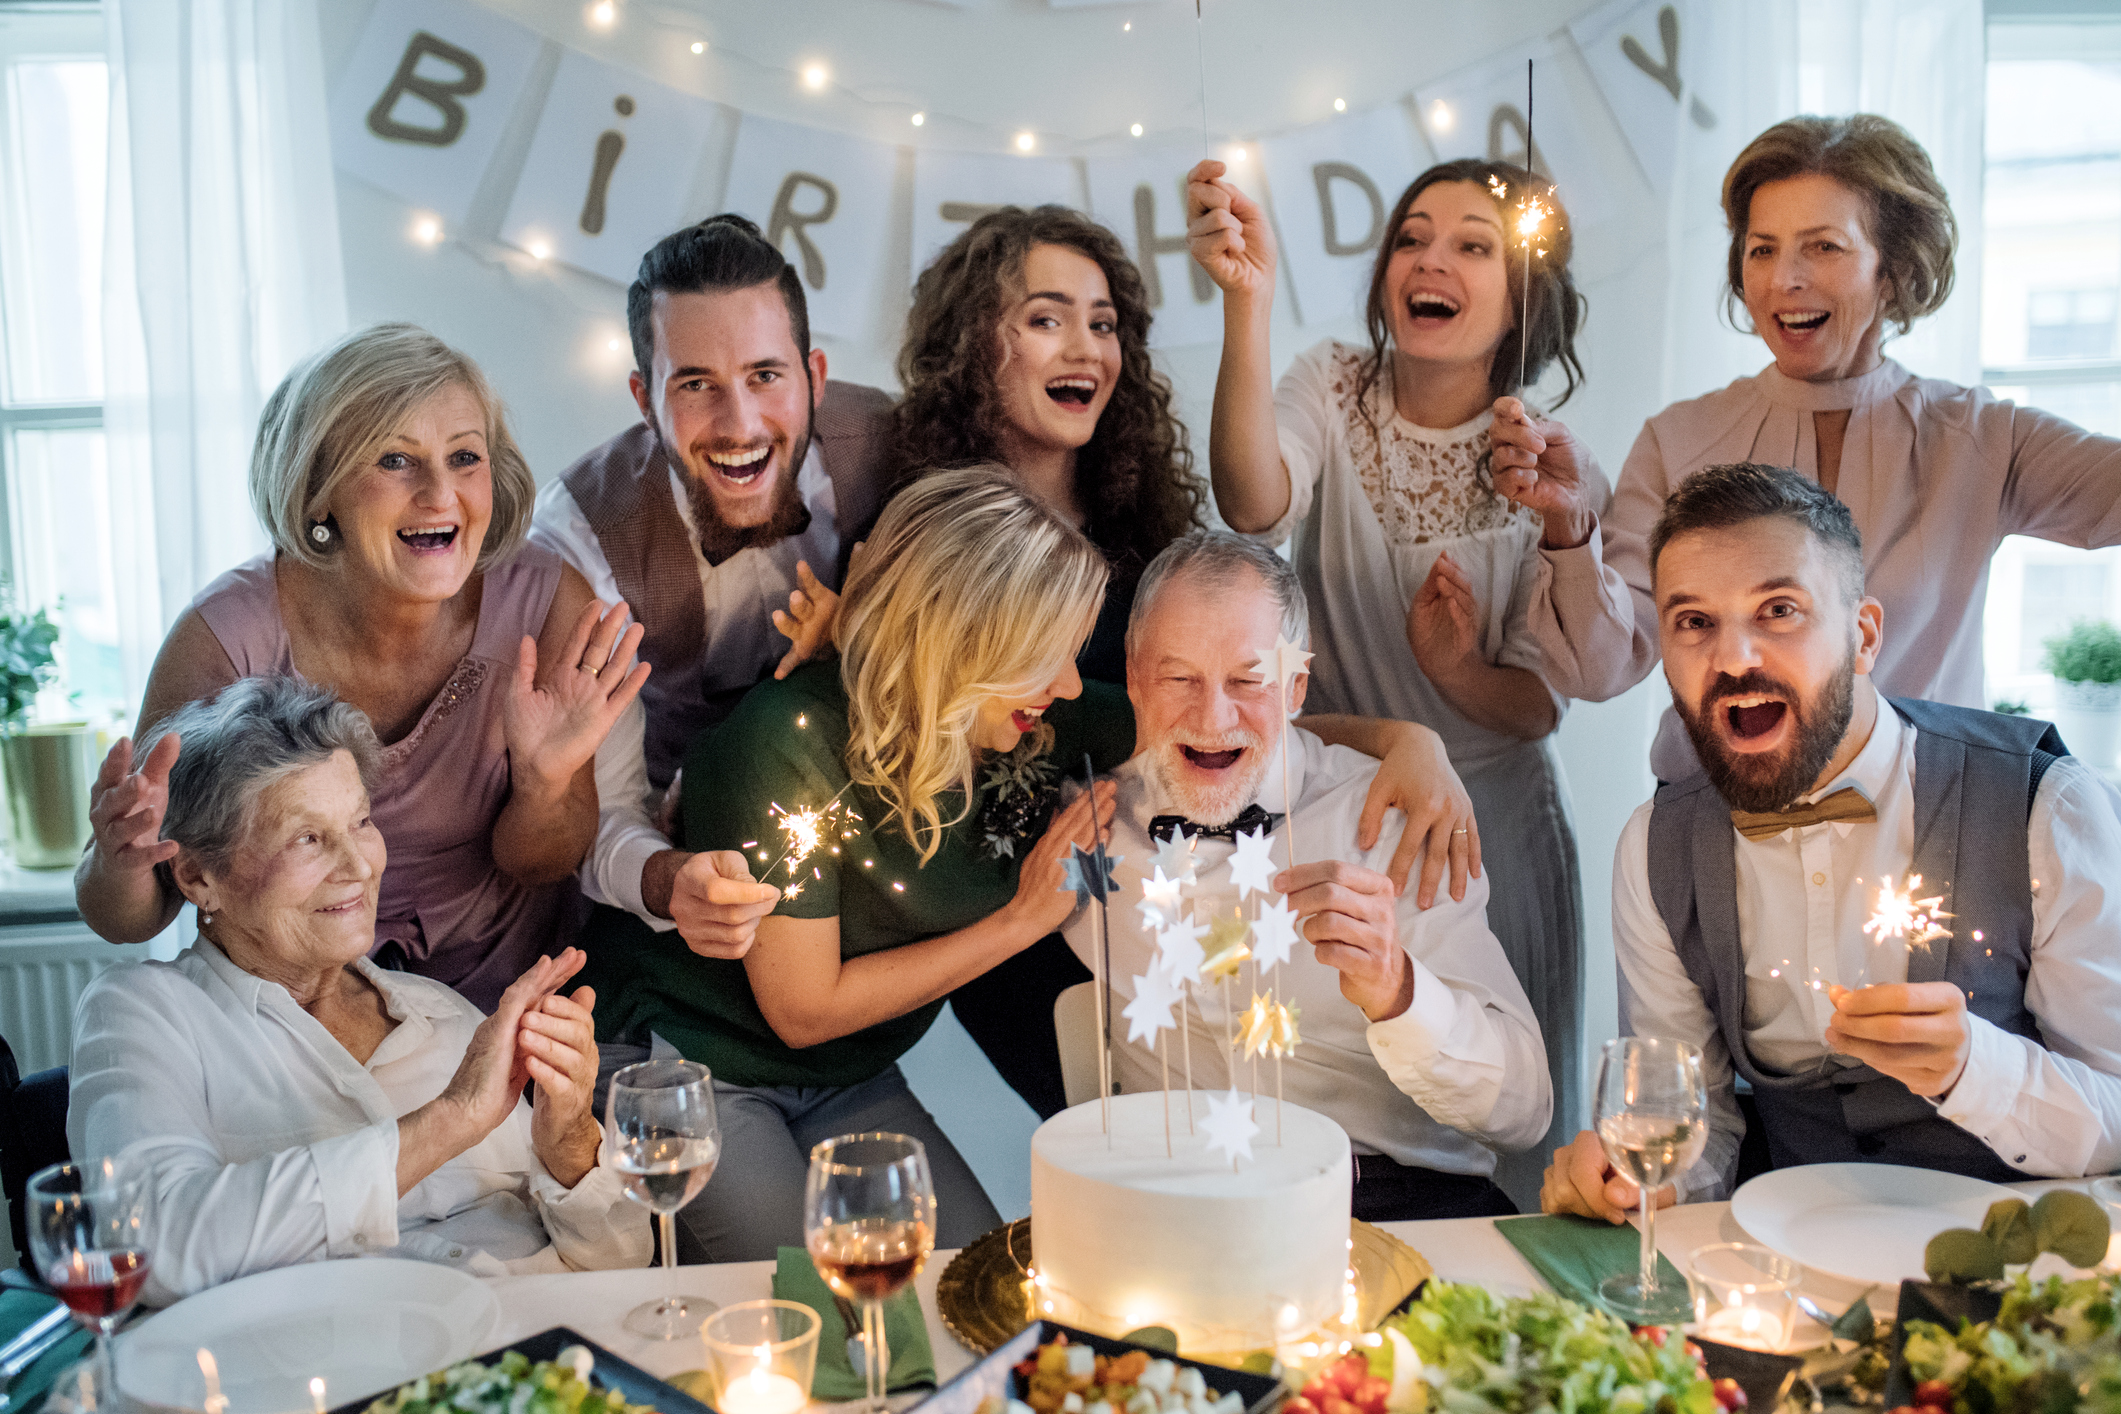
365, 1325
1865, 1222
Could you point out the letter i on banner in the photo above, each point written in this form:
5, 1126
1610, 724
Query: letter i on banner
610, 170
1334, 185
1141, 198
825, 200
421, 105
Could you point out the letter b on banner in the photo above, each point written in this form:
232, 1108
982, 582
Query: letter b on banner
408, 82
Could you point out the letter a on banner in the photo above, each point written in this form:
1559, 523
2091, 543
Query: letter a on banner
1334, 184
611, 167
421, 104
1478, 111
1142, 198
824, 199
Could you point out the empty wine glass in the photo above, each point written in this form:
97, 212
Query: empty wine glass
869, 1222
659, 1123
1651, 1113
88, 1236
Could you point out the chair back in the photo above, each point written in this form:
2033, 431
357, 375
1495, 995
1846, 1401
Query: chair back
33, 1135
1075, 1028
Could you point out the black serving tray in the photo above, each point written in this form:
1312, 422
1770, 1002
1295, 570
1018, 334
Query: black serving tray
630, 1382
1765, 1376
1942, 1303
995, 1373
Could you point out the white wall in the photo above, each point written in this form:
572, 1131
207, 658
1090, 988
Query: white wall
543, 332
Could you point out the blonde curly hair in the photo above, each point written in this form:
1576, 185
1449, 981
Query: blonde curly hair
969, 589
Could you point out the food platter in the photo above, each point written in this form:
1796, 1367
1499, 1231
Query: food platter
983, 1300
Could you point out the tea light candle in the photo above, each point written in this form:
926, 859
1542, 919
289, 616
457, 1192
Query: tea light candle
1750, 1326
762, 1391
316, 1393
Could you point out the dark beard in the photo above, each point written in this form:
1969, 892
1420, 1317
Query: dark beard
718, 540
1761, 784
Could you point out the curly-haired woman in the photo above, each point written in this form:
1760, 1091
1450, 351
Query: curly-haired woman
1387, 465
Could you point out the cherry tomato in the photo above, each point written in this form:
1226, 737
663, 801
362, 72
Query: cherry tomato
1729, 1393
1905, 1409
1299, 1404
1653, 1334
1334, 1404
1934, 1394
1369, 1396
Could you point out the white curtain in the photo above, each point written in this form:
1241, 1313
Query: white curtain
1919, 62
221, 270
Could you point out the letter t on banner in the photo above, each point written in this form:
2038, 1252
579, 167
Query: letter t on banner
421, 105
1334, 185
825, 200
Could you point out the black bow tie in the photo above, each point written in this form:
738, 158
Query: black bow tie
1248, 819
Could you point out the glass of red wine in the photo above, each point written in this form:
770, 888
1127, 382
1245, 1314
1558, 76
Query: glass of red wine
869, 1222
660, 1126
88, 1236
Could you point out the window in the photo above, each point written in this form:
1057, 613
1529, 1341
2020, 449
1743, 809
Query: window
55, 544
2051, 300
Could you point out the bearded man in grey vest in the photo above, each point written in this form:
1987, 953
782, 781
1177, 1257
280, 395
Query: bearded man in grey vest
723, 519
1988, 1043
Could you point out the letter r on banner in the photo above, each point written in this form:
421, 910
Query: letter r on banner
786, 220
407, 81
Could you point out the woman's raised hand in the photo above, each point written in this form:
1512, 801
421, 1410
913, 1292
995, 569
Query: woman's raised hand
1228, 233
1538, 463
558, 1039
556, 715
1040, 901
807, 621
125, 806
1443, 625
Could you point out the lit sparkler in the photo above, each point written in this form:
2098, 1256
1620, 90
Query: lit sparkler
809, 830
1901, 915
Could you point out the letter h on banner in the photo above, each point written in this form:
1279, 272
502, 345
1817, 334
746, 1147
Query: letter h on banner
1141, 197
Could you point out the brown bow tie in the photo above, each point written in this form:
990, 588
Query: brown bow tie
1844, 804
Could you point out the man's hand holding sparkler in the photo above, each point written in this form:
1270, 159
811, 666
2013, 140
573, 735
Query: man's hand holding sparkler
1042, 904
1915, 1032
1539, 464
712, 898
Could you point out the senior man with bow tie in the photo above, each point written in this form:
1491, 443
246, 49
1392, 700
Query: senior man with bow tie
1415, 1035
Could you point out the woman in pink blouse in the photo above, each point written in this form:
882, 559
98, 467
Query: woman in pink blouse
1839, 229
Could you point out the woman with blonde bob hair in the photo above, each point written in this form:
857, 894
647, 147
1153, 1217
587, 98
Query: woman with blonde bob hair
1841, 235
397, 504
935, 752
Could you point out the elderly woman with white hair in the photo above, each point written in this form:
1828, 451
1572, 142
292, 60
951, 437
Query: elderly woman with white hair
290, 1100
398, 504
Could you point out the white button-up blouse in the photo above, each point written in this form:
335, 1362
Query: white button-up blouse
271, 1145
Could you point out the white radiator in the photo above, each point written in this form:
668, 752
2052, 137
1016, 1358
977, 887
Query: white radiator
43, 968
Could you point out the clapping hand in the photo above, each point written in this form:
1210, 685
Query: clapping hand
496, 1065
554, 720
1538, 464
1443, 625
125, 806
558, 1042
1227, 232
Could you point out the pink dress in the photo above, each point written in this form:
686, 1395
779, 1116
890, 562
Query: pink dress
446, 910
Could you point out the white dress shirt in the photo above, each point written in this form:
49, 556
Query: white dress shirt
743, 646
271, 1145
1459, 1074
2051, 1110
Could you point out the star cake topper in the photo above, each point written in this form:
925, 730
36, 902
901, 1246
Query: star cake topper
1282, 663
1274, 932
1150, 1011
1230, 1125
1174, 857
1087, 873
1252, 866
1161, 899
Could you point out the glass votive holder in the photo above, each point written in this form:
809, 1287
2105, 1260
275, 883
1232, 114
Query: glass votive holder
1743, 1295
761, 1356
2107, 1193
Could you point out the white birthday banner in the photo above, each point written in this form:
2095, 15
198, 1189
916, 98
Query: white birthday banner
617, 160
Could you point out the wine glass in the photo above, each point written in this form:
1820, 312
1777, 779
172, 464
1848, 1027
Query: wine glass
659, 1123
88, 1236
1651, 1113
869, 1222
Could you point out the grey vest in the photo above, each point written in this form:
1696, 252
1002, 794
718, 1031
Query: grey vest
1975, 774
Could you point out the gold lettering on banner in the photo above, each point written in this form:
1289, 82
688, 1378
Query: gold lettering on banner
610, 143
786, 220
1324, 174
441, 94
965, 211
1148, 245
1666, 73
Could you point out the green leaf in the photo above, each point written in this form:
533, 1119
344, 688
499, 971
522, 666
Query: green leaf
2073, 1226
1962, 1255
2009, 1224
1155, 1338
1856, 1323
1260, 1362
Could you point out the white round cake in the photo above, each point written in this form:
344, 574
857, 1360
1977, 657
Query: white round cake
1124, 1237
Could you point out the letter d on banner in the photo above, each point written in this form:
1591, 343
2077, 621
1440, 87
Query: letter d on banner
1325, 174
1336, 181
420, 106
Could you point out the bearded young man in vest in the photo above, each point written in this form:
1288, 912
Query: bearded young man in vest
1740, 895
739, 492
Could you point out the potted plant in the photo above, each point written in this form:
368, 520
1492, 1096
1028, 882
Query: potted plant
2086, 662
49, 767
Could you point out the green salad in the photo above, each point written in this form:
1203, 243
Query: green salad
1460, 1350
2054, 1348
511, 1386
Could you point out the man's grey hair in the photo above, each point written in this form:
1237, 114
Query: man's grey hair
1218, 557
235, 745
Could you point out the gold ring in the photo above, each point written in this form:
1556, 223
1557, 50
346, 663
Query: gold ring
584, 667
1459, 831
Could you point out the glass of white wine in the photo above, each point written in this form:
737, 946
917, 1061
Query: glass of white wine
1651, 1113
869, 1221
659, 1123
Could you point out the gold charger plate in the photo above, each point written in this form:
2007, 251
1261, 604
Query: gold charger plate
982, 1300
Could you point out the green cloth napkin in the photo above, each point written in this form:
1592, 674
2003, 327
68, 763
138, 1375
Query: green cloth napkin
905, 1333
17, 1309
1576, 1254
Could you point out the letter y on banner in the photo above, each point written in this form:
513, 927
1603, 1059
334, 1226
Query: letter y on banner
420, 106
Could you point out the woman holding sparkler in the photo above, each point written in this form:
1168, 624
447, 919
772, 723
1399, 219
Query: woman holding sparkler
1028, 345
1418, 570
1841, 235
871, 789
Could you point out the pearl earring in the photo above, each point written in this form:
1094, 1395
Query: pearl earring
205, 918
321, 533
